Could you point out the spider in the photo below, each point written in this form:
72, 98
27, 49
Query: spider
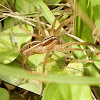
50, 43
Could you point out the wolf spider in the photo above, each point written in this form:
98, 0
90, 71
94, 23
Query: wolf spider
50, 43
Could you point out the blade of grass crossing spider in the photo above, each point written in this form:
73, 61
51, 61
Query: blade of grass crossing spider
7, 73
15, 68
96, 12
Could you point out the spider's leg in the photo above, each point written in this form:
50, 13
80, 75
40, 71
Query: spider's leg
24, 62
82, 50
44, 64
64, 22
43, 33
78, 43
53, 25
32, 34
71, 49
45, 61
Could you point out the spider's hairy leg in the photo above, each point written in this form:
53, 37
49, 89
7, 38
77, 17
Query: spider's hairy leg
30, 33
44, 64
71, 49
61, 48
57, 18
78, 43
24, 62
43, 33
64, 22
45, 61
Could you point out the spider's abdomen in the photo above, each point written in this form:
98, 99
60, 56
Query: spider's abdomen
32, 48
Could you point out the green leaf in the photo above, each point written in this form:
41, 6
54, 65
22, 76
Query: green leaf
8, 51
4, 95
28, 6
10, 22
66, 92
57, 92
36, 59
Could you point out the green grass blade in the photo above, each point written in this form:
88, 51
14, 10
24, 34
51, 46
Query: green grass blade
41, 6
96, 12
82, 30
8, 71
